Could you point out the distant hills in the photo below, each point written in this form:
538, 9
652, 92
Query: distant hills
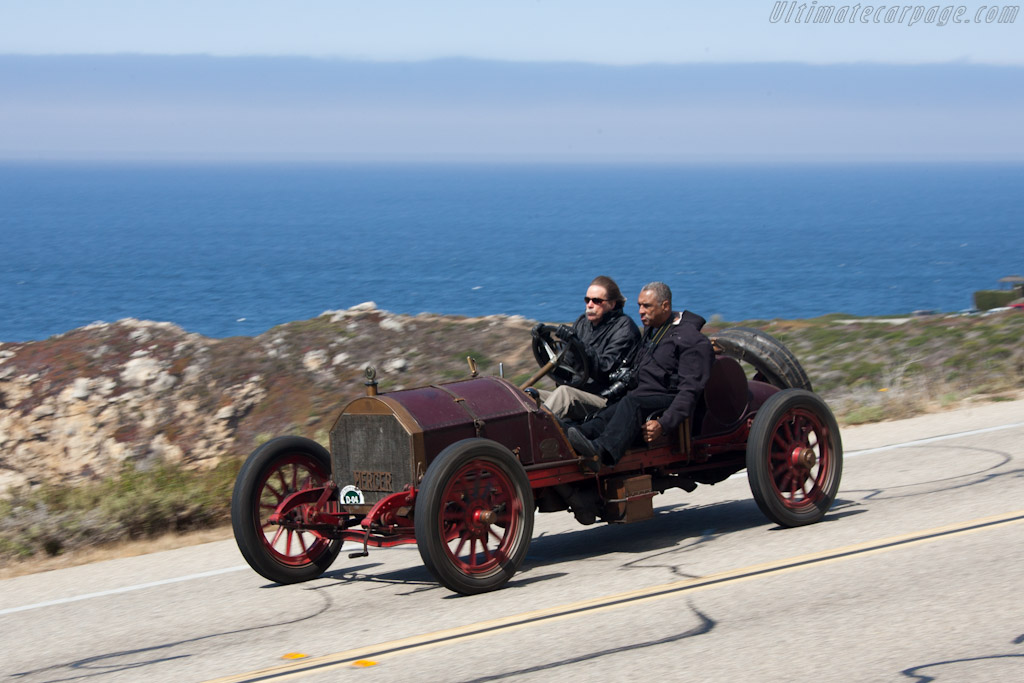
304, 109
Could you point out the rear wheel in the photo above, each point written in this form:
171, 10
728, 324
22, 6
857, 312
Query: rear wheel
474, 516
273, 472
794, 458
772, 361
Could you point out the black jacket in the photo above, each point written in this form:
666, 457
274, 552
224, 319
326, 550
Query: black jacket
679, 364
607, 345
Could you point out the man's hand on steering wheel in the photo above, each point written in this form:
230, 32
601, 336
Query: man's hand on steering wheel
565, 333
561, 347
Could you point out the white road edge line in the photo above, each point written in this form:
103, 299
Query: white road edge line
919, 442
123, 589
217, 572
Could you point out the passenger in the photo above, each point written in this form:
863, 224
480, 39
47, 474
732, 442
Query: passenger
608, 337
671, 369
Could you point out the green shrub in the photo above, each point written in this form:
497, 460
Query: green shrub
993, 298
865, 414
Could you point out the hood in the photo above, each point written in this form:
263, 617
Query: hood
689, 317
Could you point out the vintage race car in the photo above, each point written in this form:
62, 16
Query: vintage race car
460, 468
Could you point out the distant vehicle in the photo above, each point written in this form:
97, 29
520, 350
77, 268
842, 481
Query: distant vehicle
460, 468
963, 313
1018, 306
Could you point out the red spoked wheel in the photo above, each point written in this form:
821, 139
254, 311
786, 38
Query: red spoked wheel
273, 472
474, 516
794, 458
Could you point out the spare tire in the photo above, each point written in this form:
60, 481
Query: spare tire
774, 363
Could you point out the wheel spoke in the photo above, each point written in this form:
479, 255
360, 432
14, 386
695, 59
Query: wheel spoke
485, 550
778, 440
787, 430
783, 481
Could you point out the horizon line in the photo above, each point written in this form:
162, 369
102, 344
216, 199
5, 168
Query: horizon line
960, 61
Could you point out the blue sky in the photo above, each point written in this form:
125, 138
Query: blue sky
599, 31
496, 80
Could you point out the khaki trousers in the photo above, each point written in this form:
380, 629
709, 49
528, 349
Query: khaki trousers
571, 404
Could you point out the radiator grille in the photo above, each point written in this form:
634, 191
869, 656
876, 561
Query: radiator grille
371, 452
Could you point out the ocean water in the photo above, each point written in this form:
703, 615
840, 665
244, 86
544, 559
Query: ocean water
234, 250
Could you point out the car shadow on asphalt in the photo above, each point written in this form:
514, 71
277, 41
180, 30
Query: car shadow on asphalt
671, 526
673, 529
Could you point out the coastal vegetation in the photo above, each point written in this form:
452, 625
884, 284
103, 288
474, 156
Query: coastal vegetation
132, 430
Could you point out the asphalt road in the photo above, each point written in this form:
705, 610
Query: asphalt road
915, 575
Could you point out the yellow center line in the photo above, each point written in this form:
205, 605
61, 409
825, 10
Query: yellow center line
610, 602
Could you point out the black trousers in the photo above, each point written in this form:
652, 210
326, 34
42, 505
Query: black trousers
615, 428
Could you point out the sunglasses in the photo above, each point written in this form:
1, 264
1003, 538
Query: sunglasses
596, 300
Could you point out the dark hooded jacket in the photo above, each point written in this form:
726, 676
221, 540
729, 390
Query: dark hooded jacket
679, 364
607, 345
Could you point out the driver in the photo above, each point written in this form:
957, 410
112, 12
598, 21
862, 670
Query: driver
608, 336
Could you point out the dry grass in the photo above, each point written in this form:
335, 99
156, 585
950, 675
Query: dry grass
128, 548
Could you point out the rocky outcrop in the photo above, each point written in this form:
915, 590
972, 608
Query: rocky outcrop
87, 403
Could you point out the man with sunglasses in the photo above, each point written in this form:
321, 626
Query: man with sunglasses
672, 366
608, 337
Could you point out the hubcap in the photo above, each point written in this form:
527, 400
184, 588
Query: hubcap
805, 457
485, 517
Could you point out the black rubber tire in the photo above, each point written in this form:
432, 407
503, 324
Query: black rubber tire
574, 371
307, 464
467, 479
766, 354
794, 458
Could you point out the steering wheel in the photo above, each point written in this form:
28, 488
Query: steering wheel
568, 357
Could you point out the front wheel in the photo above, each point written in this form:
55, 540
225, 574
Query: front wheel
794, 458
474, 516
273, 472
